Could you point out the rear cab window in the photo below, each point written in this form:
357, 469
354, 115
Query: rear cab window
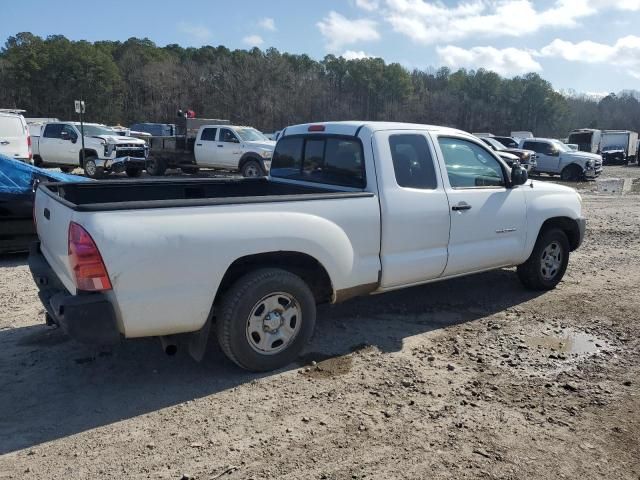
329, 159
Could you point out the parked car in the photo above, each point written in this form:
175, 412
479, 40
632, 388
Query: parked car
349, 208
614, 141
15, 141
225, 147
104, 151
555, 158
614, 155
508, 142
527, 158
17, 182
587, 139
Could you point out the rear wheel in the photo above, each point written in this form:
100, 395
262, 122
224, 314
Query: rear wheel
91, 170
548, 262
265, 319
252, 169
133, 172
156, 167
571, 173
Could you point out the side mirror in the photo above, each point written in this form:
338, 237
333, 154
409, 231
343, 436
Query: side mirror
65, 136
518, 175
235, 140
554, 152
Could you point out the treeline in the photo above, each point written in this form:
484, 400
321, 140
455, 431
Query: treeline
133, 81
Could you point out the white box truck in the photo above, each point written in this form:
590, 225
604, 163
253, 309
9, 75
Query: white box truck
619, 146
587, 139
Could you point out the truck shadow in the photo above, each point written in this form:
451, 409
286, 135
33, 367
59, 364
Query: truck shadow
53, 387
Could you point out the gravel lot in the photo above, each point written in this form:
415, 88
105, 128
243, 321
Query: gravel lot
470, 378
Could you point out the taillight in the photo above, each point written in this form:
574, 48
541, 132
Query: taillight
86, 262
316, 128
29, 146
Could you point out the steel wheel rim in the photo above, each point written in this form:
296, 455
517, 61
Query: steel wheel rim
274, 323
551, 260
90, 167
251, 171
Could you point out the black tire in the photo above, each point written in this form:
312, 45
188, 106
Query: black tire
190, 170
133, 172
243, 298
531, 273
91, 170
252, 169
156, 167
571, 173
37, 161
67, 169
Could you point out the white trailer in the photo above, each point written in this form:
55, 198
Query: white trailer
622, 139
587, 139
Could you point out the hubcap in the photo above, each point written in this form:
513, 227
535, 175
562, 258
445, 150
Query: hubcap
251, 171
273, 323
551, 260
90, 167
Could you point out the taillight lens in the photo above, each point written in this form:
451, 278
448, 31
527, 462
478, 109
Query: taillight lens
29, 146
86, 262
316, 128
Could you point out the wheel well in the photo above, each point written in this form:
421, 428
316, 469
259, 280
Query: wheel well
575, 165
568, 226
87, 153
303, 265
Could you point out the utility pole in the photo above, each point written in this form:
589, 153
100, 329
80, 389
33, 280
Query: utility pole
80, 109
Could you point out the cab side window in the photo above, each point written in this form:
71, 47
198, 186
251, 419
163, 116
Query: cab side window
412, 162
209, 134
227, 135
53, 130
469, 165
68, 132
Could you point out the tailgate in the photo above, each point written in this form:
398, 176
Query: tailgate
52, 224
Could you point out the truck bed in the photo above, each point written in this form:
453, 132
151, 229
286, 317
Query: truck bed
129, 195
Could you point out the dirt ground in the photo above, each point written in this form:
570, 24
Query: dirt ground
470, 378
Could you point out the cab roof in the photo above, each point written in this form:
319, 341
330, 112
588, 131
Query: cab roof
353, 127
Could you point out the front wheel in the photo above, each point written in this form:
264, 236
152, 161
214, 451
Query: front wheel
265, 319
548, 262
133, 172
252, 169
571, 173
91, 170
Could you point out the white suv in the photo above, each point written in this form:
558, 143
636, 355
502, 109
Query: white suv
15, 141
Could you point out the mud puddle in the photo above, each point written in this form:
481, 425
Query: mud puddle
568, 342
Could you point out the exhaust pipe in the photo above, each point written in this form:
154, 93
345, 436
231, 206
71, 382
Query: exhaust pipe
169, 345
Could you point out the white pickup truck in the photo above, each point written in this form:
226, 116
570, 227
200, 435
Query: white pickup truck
60, 145
556, 158
349, 208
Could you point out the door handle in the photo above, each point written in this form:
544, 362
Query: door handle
198, 144
5, 142
461, 206
47, 213
220, 146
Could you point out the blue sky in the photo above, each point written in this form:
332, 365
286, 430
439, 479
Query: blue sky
586, 45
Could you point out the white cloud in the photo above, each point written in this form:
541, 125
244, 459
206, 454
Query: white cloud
339, 31
197, 32
368, 5
624, 54
430, 22
355, 55
268, 24
508, 61
253, 40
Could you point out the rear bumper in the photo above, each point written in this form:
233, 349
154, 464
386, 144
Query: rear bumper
88, 318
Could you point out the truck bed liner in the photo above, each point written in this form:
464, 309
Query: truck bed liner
130, 195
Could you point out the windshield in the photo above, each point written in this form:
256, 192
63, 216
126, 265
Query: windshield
96, 130
560, 146
612, 147
250, 134
494, 143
